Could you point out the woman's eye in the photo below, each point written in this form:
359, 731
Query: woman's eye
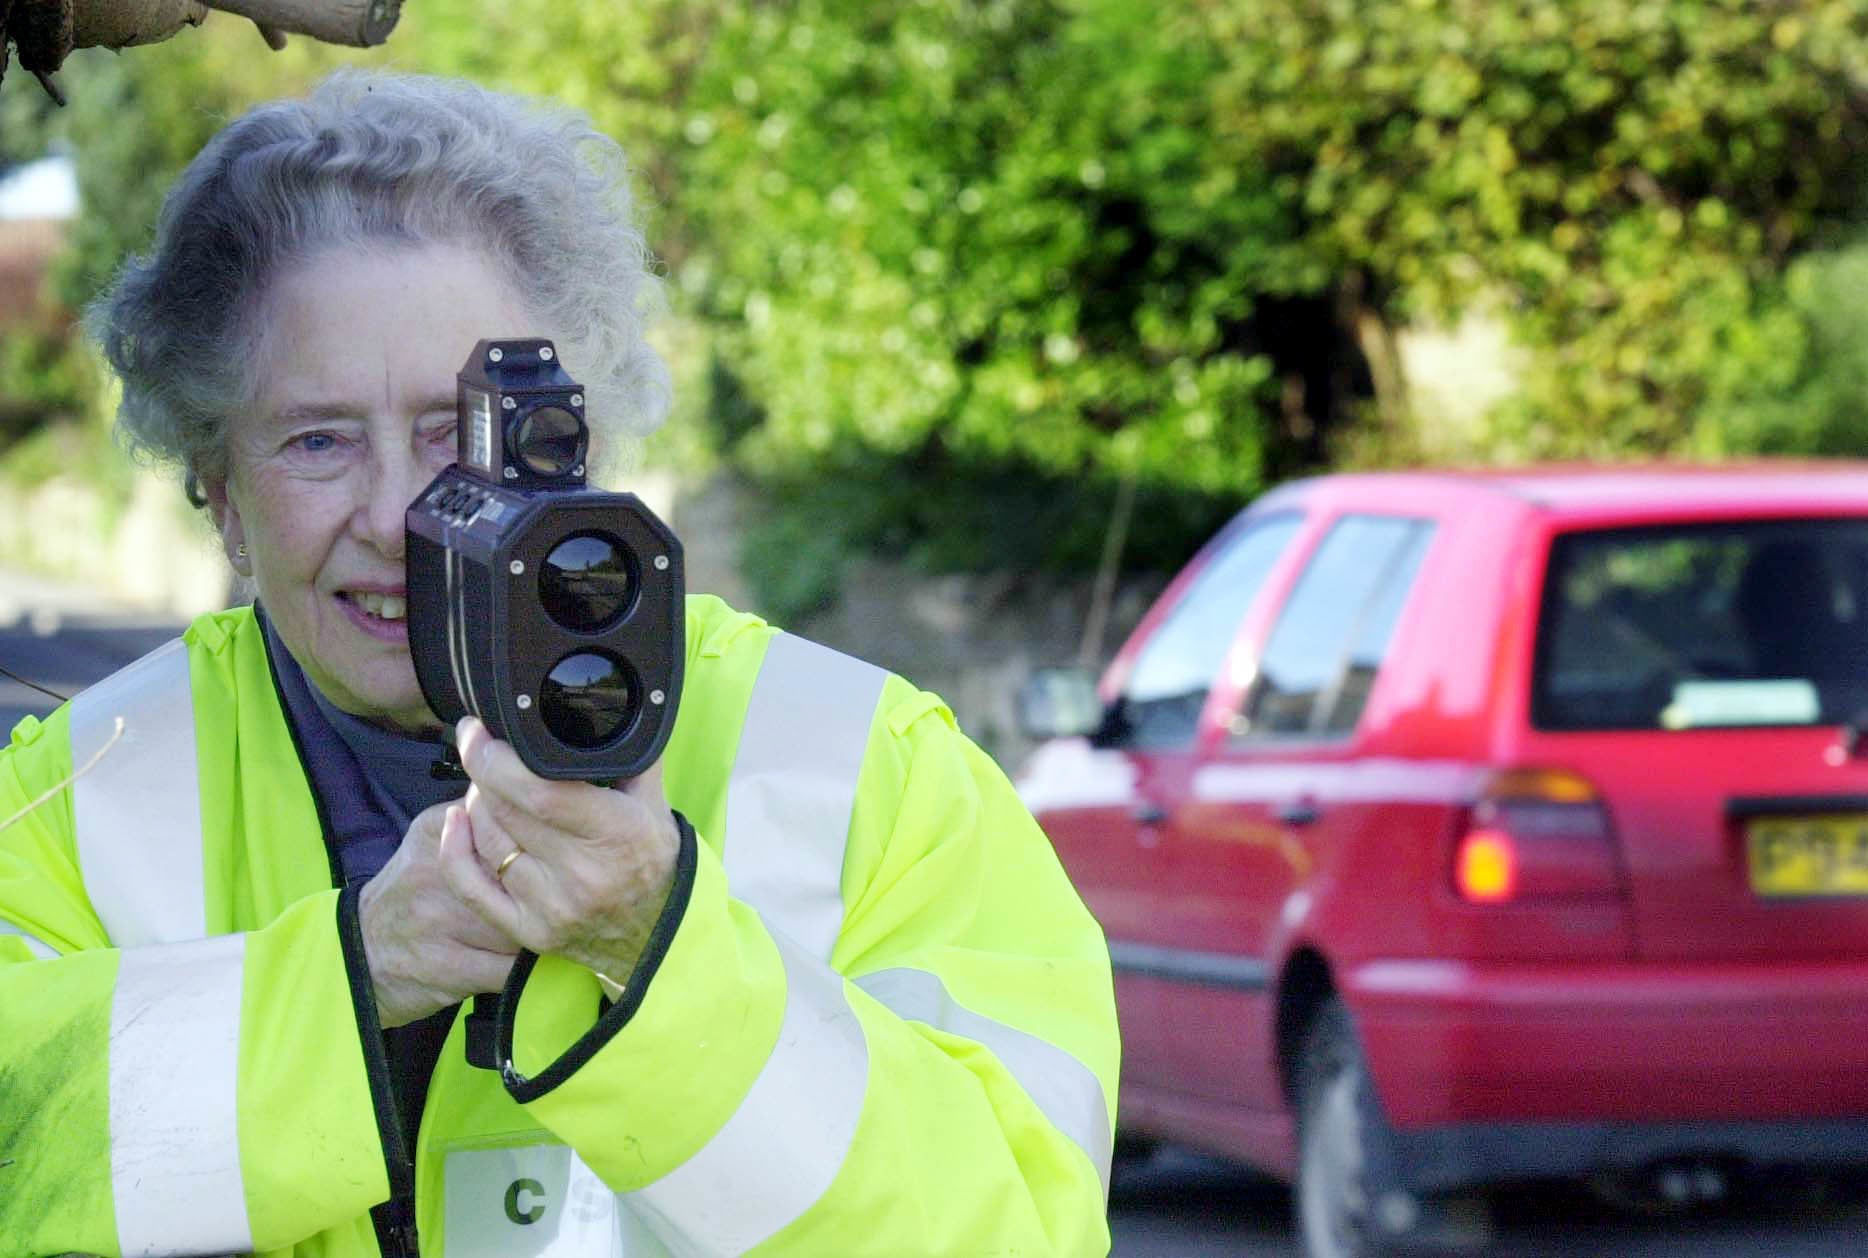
316, 442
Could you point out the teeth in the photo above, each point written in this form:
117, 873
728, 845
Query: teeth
386, 606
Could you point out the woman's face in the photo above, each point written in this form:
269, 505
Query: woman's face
354, 416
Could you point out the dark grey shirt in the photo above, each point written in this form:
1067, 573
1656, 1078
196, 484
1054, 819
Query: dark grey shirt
395, 765
370, 782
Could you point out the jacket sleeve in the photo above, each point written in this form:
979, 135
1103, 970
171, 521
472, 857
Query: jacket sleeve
944, 1085
208, 1096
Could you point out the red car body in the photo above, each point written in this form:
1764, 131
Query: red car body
1647, 1002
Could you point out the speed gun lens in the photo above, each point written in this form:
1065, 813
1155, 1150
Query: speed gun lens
549, 440
588, 699
587, 582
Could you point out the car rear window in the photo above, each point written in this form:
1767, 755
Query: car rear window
1705, 625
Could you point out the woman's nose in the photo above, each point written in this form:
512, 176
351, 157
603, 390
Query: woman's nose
394, 483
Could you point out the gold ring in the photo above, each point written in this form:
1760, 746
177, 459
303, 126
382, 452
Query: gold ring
505, 863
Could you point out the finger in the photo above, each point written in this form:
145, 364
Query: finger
645, 788
492, 844
424, 833
522, 867
645, 792
468, 879
526, 880
521, 799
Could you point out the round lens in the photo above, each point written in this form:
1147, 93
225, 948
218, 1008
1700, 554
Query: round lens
549, 440
586, 582
588, 699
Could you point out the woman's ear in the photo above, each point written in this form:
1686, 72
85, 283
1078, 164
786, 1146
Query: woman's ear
227, 522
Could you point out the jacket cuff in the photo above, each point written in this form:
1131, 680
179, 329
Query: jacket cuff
661, 1076
614, 1015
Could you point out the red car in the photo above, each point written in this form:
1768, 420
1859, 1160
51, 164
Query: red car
1456, 828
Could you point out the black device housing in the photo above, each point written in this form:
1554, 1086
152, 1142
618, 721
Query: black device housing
482, 630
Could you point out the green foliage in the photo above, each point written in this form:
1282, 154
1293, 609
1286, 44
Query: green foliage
177, 95
1630, 177
1817, 400
71, 449
25, 121
967, 264
950, 268
136, 117
955, 515
993, 229
1070, 238
43, 377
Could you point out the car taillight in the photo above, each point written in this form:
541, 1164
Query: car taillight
1535, 834
1485, 868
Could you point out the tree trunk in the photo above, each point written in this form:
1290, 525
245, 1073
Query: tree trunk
121, 23
357, 23
1375, 338
1103, 593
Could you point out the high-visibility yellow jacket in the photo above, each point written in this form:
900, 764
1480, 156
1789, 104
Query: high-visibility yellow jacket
884, 1024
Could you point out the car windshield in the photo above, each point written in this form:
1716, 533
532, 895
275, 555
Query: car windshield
1706, 625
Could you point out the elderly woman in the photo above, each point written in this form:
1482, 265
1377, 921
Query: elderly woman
814, 985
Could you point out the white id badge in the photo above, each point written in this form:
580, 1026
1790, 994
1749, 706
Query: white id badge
539, 1201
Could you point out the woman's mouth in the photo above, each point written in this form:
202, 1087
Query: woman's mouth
382, 616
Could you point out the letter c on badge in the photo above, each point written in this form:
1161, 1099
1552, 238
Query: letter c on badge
529, 1214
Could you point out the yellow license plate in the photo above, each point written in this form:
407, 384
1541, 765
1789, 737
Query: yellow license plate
1809, 855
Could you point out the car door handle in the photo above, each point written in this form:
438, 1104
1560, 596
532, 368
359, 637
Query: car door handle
1149, 814
1297, 812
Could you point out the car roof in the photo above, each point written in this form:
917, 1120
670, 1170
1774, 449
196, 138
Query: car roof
1579, 492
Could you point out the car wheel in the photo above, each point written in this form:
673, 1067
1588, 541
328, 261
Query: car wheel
1134, 1149
1334, 1207
1348, 1198
1130, 1156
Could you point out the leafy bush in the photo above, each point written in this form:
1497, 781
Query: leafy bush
964, 264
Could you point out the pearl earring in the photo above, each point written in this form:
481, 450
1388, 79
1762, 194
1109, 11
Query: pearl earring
240, 550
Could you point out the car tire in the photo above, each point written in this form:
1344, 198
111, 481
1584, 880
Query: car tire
1348, 1199
1340, 1141
1130, 1157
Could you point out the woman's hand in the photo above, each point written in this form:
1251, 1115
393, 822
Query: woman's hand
568, 868
426, 949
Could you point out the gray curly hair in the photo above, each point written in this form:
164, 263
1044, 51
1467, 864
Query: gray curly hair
378, 158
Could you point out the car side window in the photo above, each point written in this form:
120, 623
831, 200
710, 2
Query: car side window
1160, 705
1331, 637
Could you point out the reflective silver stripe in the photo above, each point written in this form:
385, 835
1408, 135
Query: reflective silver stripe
138, 812
38, 947
794, 782
779, 1152
1067, 1091
174, 1130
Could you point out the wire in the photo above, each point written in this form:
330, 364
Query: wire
35, 685
116, 732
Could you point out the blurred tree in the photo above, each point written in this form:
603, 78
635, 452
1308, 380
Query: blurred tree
975, 262
994, 229
25, 119
1818, 403
174, 96
1631, 178
966, 265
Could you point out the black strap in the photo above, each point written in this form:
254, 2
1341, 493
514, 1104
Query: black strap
612, 1017
483, 1031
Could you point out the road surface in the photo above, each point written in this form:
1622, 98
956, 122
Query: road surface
1181, 1205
